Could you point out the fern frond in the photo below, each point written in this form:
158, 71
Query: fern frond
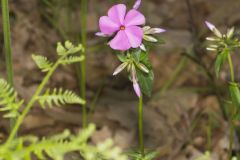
42, 62
8, 99
54, 147
57, 146
59, 97
72, 59
68, 48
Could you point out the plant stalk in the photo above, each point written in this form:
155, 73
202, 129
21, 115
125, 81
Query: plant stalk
32, 101
231, 67
83, 17
231, 120
7, 48
140, 125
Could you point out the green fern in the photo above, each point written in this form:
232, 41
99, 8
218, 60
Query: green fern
42, 62
8, 99
68, 48
57, 146
59, 97
72, 59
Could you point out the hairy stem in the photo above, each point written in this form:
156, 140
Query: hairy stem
140, 125
32, 101
7, 48
83, 17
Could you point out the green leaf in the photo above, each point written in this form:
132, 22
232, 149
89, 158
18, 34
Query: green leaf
8, 100
122, 57
136, 155
59, 97
42, 62
145, 81
235, 94
60, 49
136, 54
68, 48
221, 57
72, 59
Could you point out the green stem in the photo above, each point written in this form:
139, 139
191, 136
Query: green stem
140, 125
231, 120
182, 64
32, 101
7, 48
231, 67
83, 63
231, 135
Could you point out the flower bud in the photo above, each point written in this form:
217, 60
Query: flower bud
120, 68
211, 49
213, 29
230, 32
211, 39
143, 67
149, 38
100, 34
155, 31
137, 89
137, 4
142, 47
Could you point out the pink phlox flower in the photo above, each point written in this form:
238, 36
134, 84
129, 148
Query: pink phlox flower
125, 26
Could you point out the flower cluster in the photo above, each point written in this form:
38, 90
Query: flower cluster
127, 33
222, 41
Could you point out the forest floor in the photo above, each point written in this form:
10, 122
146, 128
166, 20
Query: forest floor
182, 119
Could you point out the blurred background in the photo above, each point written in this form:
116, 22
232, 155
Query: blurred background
182, 119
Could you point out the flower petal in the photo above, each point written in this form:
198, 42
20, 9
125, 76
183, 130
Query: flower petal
135, 36
120, 42
134, 18
117, 13
107, 26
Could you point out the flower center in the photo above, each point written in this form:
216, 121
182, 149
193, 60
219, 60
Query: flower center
122, 27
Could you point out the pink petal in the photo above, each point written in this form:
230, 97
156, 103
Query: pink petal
120, 42
135, 35
117, 13
137, 4
107, 26
134, 18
